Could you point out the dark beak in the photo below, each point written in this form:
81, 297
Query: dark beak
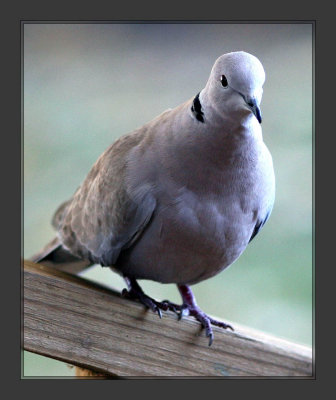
251, 102
257, 113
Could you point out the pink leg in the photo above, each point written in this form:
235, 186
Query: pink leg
190, 305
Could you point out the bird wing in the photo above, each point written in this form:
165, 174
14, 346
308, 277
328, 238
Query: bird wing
102, 218
260, 224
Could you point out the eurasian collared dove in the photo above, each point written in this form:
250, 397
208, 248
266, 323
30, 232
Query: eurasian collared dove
177, 200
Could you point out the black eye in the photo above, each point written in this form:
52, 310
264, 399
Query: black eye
224, 81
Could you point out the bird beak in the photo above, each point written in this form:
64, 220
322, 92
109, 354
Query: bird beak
256, 111
252, 103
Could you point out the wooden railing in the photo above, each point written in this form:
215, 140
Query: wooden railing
84, 324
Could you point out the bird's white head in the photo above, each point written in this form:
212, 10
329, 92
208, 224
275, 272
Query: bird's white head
235, 84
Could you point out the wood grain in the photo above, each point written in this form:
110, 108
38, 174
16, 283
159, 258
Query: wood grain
84, 324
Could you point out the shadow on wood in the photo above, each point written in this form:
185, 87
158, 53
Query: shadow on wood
74, 320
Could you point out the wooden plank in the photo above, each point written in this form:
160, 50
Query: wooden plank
84, 324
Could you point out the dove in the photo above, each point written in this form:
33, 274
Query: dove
179, 199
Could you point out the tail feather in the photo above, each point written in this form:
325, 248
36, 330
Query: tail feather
47, 250
54, 255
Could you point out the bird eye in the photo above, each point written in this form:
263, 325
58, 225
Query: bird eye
224, 81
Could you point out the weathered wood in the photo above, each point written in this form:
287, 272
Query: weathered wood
84, 373
82, 323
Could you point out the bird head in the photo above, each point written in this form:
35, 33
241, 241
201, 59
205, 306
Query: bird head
235, 84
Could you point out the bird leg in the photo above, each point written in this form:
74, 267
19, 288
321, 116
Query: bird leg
190, 307
135, 292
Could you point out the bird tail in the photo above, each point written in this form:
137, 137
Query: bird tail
56, 256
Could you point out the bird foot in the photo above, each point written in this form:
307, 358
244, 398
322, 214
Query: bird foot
190, 307
136, 294
207, 321
197, 313
179, 310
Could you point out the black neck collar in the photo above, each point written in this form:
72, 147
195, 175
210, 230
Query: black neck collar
196, 109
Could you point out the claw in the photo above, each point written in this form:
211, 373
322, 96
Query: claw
135, 292
183, 312
165, 305
190, 306
211, 336
220, 324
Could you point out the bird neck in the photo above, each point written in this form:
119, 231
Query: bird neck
228, 113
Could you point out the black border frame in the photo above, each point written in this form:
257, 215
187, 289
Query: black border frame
322, 18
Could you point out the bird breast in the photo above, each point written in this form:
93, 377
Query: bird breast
209, 198
194, 234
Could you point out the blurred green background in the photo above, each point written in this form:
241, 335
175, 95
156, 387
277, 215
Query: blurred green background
87, 84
